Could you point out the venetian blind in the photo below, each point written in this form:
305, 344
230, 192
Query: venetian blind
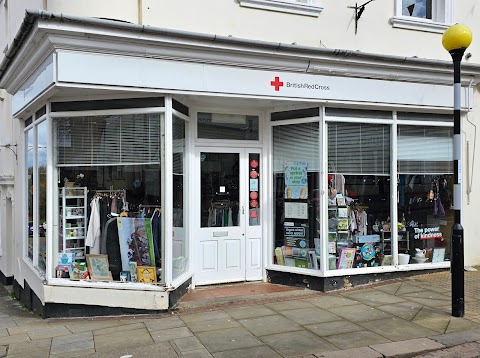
178, 135
296, 143
425, 150
358, 148
111, 140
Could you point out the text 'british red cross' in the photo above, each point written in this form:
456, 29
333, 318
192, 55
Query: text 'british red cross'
277, 83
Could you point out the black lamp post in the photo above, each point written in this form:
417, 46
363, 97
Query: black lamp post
455, 40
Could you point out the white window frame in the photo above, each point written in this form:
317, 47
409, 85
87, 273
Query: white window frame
299, 7
442, 17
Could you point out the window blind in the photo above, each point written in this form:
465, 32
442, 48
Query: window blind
110, 140
296, 143
358, 148
425, 150
178, 135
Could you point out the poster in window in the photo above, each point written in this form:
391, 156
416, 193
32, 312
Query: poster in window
296, 185
136, 242
345, 259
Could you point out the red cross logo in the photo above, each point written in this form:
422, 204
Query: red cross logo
277, 83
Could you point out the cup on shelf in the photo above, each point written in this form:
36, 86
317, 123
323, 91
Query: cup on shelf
403, 259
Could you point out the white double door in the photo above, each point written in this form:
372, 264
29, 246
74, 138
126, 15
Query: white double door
228, 212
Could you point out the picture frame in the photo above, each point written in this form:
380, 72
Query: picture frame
438, 254
78, 271
147, 274
98, 267
346, 258
125, 276
342, 212
341, 201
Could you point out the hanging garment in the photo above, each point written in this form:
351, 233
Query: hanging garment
93, 232
111, 246
157, 233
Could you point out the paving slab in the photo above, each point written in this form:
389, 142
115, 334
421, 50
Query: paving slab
289, 305
407, 347
467, 350
452, 339
251, 352
73, 338
91, 325
355, 339
375, 298
135, 338
391, 288
298, 343
250, 311
330, 301
331, 328
203, 316
199, 353
188, 344
34, 354
228, 339
460, 324
263, 326
163, 323
80, 353
75, 347
27, 347
14, 339
406, 310
359, 313
397, 329
364, 352
48, 333
171, 333
309, 315
157, 350
212, 325
125, 328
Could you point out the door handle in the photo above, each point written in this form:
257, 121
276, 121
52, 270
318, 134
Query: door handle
243, 209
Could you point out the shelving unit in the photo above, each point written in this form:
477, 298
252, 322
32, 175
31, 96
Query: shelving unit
73, 221
339, 236
403, 242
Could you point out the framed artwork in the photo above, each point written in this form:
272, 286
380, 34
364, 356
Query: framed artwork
438, 254
147, 274
125, 276
136, 242
98, 267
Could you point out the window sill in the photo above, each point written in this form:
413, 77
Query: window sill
418, 24
283, 6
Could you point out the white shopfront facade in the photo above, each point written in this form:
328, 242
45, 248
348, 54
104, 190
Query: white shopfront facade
221, 121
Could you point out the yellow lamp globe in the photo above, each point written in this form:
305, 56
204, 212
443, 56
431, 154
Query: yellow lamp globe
456, 37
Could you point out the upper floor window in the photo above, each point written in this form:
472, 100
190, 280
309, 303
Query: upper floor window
423, 15
300, 7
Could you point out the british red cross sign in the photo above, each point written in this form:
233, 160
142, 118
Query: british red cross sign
277, 83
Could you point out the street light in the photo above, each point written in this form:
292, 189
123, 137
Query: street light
456, 39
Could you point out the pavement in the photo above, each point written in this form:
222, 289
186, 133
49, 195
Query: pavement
409, 317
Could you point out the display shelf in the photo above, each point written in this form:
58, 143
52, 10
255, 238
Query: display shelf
73, 219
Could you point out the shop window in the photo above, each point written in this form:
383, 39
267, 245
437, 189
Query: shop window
425, 15
300, 7
227, 126
358, 195
42, 131
30, 173
180, 244
109, 201
425, 187
296, 170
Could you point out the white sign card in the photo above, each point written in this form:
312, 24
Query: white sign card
296, 210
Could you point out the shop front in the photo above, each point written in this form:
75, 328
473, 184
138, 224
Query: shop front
142, 176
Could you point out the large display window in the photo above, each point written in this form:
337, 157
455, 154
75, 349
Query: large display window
358, 195
109, 218
425, 187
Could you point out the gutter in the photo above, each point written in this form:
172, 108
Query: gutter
31, 17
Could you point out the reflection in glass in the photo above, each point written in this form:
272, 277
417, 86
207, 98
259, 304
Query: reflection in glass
42, 192
180, 246
220, 175
30, 174
227, 126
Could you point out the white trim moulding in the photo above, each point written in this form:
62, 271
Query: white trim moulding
292, 7
418, 24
